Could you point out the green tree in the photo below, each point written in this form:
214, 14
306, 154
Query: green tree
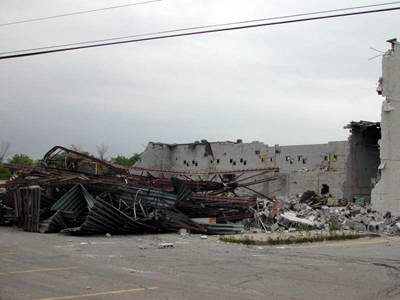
121, 160
4, 173
125, 161
134, 158
21, 159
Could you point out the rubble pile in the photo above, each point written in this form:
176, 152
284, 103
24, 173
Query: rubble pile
75, 193
310, 211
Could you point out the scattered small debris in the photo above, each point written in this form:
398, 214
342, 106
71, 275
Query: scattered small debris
204, 237
183, 232
136, 271
165, 245
108, 235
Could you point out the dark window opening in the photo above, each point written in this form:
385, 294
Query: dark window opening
257, 152
241, 160
299, 157
334, 157
193, 162
287, 158
324, 189
196, 164
291, 161
231, 160
326, 157
262, 159
211, 161
245, 162
271, 159
217, 161
304, 160
234, 163
228, 177
184, 162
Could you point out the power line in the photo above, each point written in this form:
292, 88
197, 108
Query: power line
76, 13
200, 27
200, 32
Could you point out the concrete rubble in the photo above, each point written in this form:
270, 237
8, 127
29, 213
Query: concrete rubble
310, 211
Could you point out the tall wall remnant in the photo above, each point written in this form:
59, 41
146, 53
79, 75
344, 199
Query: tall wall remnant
386, 193
363, 159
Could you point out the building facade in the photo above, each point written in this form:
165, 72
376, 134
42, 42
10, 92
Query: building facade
345, 168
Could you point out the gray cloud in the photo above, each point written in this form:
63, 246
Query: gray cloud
288, 84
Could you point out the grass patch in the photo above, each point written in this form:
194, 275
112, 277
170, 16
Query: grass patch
286, 240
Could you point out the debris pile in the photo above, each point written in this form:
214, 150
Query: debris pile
75, 193
310, 211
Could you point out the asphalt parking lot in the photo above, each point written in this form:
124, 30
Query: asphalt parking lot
56, 266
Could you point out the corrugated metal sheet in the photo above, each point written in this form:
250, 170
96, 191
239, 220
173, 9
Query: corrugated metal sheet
53, 224
104, 217
76, 200
27, 207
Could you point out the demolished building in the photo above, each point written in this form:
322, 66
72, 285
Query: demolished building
343, 169
173, 186
75, 193
366, 166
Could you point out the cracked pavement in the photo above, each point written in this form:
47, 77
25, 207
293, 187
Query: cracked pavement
56, 266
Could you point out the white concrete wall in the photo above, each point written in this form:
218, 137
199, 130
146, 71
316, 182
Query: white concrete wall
322, 164
194, 157
156, 156
303, 167
386, 194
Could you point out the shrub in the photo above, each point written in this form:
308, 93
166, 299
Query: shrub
4, 173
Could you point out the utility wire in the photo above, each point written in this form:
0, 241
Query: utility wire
201, 27
76, 13
199, 32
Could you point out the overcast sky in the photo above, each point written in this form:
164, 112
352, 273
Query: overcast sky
288, 84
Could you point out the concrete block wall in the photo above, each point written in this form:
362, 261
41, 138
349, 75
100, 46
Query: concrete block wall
156, 156
308, 167
363, 162
386, 193
302, 167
